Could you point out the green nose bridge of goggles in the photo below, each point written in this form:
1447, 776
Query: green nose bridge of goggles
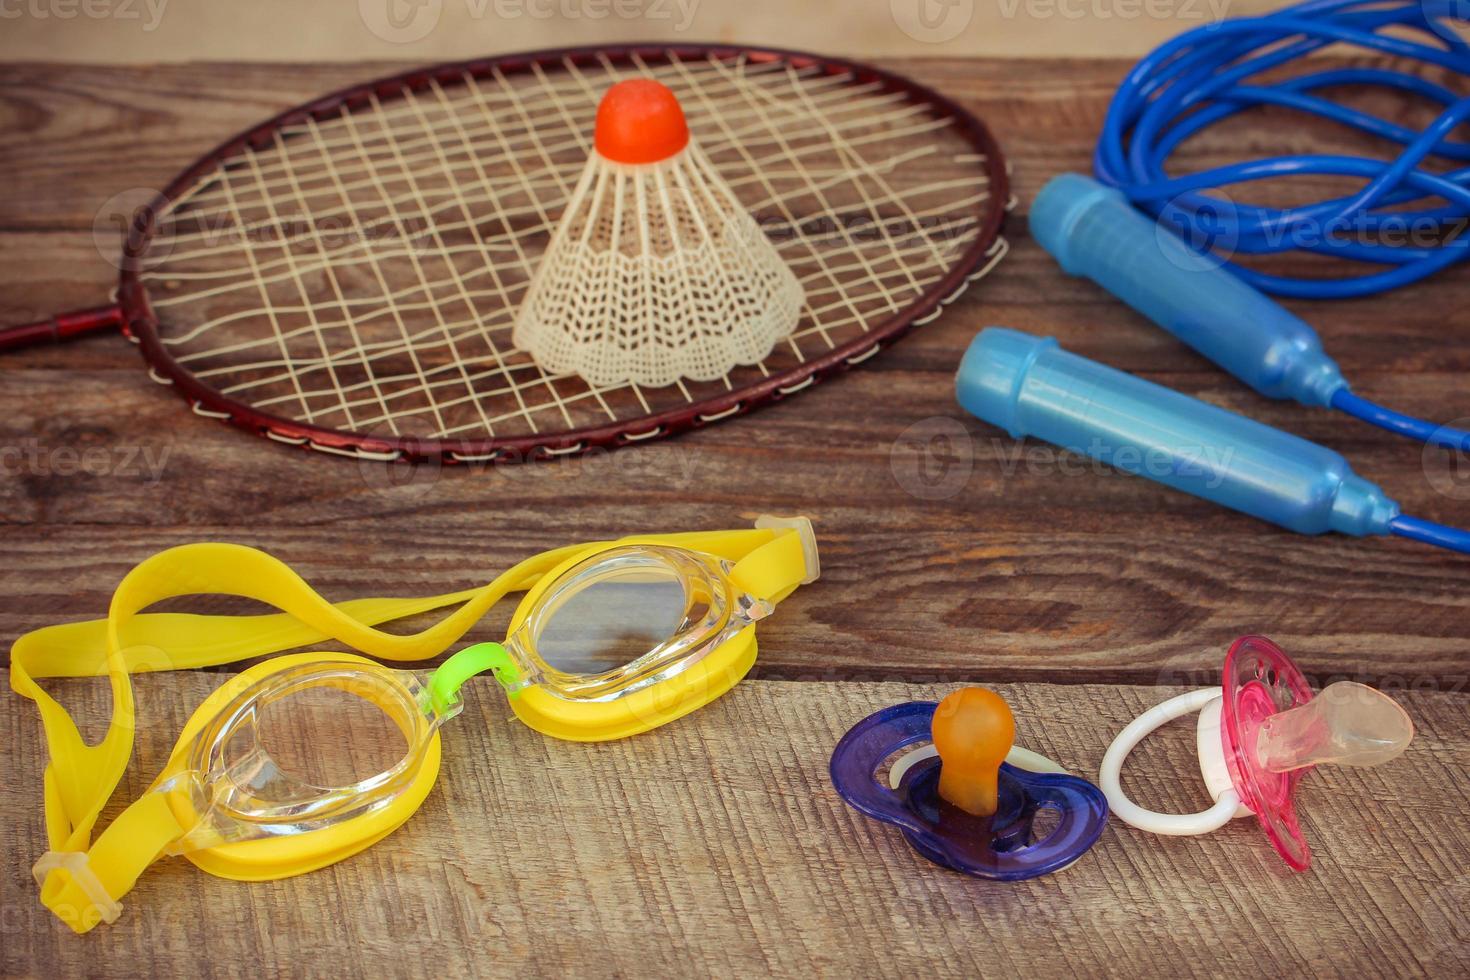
444, 683
228, 805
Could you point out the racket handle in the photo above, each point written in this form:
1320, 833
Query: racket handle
62, 326
1031, 387
1093, 231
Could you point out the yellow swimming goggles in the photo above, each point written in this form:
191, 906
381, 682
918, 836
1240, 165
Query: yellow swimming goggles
611, 639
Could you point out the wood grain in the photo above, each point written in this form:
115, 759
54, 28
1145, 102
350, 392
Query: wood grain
717, 845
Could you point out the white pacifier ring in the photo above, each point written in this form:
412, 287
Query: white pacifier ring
1227, 800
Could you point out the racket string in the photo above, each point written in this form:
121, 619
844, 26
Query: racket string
559, 176
410, 174
338, 292
843, 100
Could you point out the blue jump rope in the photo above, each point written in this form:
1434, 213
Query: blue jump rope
1155, 242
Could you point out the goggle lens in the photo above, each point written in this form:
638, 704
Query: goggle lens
629, 617
614, 616
322, 736
306, 748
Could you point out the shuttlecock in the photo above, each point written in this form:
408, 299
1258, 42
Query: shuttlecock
655, 272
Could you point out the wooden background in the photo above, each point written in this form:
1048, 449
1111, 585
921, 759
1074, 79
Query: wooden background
426, 31
717, 844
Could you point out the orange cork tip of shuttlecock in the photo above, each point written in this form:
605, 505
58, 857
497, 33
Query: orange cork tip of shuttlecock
640, 121
973, 731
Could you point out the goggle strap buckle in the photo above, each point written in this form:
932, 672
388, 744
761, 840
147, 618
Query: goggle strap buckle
803, 528
78, 866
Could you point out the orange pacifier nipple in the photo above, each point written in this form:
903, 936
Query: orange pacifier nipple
973, 731
640, 121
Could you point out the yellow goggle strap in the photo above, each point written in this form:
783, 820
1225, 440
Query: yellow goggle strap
774, 570
78, 880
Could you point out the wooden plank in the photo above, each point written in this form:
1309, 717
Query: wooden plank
895, 603
717, 845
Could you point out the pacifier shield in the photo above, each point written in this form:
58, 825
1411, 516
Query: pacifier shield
1260, 680
998, 846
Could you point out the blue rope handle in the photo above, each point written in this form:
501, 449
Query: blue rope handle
1204, 76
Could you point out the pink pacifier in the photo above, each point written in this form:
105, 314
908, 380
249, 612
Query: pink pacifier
1258, 734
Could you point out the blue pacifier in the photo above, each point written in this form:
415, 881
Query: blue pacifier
968, 801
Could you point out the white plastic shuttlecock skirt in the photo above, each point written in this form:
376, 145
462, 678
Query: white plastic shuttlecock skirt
656, 273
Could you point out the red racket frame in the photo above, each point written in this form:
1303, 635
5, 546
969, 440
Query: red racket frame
134, 315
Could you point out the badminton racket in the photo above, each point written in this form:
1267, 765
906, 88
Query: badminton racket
345, 276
